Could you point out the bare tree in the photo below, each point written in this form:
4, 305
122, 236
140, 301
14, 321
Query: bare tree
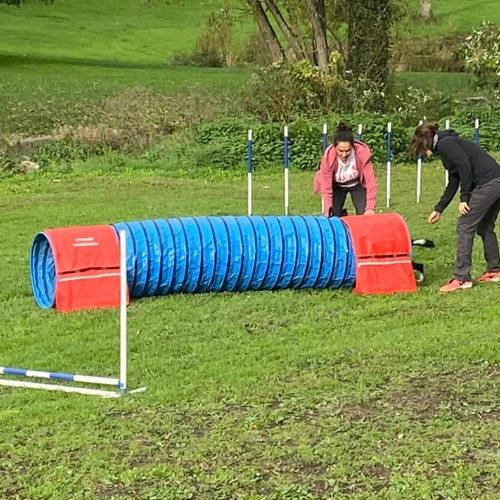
267, 31
316, 14
359, 29
291, 34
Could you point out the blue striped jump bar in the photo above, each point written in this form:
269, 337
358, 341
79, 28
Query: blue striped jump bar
67, 377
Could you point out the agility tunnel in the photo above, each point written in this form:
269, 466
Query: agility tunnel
78, 267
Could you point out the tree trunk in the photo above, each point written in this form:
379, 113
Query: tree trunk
293, 38
368, 43
267, 31
426, 9
316, 12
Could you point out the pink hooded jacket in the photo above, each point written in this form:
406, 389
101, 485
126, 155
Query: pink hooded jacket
325, 176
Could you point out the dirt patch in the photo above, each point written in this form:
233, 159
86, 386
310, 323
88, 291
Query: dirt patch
466, 394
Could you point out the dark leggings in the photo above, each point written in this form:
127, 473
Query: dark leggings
484, 207
358, 197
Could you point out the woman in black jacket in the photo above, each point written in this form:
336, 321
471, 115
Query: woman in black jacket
478, 175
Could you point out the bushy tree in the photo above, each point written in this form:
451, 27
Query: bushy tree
359, 30
481, 55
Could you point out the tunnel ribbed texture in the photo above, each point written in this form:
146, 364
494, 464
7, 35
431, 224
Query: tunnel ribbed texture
43, 271
216, 254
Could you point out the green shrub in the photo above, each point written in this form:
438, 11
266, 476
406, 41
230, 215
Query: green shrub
481, 55
285, 92
214, 46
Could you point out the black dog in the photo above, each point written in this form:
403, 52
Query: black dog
422, 242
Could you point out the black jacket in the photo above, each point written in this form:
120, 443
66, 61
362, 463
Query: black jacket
467, 163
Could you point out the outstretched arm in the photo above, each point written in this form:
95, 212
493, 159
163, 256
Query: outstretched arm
324, 180
371, 186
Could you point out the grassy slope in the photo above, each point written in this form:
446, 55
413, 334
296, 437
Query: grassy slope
462, 15
293, 395
133, 32
52, 53
78, 50
142, 33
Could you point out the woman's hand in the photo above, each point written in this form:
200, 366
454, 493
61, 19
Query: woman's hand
369, 212
463, 208
434, 217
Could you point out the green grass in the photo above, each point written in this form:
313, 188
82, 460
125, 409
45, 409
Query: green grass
448, 83
38, 81
106, 31
460, 15
291, 395
76, 53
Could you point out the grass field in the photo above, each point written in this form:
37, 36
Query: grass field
106, 31
291, 395
310, 394
460, 15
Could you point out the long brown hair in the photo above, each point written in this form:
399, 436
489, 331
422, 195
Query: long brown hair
423, 138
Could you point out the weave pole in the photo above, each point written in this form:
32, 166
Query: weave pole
119, 383
446, 174
476, 131
287, 177
122, 384
325, 145
360, 132
249, 184
389, 133
419, 171
325, 136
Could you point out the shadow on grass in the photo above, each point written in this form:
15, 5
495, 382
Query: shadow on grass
7, 60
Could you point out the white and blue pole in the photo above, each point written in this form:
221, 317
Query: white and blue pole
287, 194
419, 171
389, 137
476, 131
325, 145
446, 174
360, 132
249, 189
123, 312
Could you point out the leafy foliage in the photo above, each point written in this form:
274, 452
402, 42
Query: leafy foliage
284, 91
481, 55
214, 46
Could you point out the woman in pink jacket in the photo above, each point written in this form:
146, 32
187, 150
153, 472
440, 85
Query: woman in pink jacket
346, 167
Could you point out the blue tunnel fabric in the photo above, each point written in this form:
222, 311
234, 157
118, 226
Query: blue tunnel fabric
43, 271
216, 254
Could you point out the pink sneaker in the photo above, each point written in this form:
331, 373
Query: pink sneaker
489, 276
454, 284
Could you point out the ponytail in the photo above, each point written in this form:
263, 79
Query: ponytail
343, 133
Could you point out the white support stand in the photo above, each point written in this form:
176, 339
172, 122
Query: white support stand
389, 131
119, 383
249, 188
